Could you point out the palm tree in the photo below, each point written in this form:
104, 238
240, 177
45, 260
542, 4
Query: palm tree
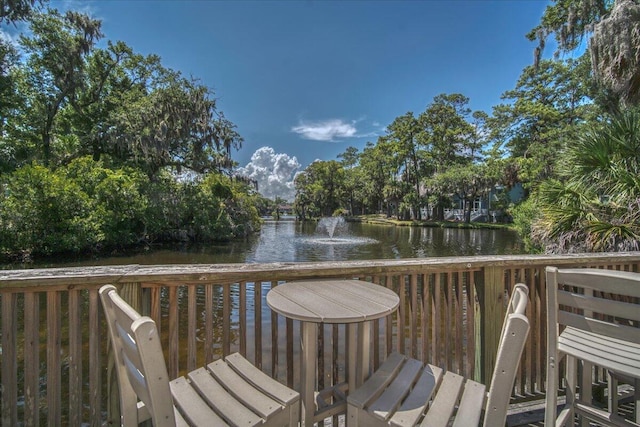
595, 205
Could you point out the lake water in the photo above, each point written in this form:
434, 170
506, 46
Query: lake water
292, 241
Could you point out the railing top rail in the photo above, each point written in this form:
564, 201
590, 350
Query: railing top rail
91, 276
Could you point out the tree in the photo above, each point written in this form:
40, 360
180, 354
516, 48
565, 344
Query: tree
54, 73
404, 134
174, 123
542, 113
319, 189
615, 51
379, 166
614, 27
17, 10
446, 130
594, 206
353, 179
448, 138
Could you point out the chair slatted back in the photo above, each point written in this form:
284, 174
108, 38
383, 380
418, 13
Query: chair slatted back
596, 300
140, 365
515, 331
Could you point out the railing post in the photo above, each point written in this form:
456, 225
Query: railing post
131, 293
489, 319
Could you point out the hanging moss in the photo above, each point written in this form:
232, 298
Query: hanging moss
615, 51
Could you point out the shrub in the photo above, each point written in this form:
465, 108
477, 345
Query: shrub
42, 212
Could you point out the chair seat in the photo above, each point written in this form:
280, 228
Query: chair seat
404, 392
402, 389
234, 392
620, 356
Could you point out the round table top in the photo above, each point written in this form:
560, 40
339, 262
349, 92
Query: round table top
332, 300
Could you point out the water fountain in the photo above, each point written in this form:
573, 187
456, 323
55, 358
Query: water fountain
330, 225
334, 230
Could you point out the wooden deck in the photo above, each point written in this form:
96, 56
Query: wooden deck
54, 358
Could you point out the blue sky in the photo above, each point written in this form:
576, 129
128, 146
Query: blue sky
307, 79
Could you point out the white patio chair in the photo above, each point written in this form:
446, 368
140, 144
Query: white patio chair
403, 392
226, 392
592, 320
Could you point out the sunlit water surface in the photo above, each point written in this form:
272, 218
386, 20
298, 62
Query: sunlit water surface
293, 241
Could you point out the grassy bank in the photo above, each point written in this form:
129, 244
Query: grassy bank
384, 220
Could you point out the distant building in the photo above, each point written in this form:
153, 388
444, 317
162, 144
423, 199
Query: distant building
285, 209
482, 211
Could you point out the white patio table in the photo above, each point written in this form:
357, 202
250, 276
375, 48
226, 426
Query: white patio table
314, 302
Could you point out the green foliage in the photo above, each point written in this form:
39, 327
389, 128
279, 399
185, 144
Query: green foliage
87, 206
594, 205
543, 112
320, 189
44, 213
570, 21
217, 208
68, 98
524, 215
93, 140
17, 10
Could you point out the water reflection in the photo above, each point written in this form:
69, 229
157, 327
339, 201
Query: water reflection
292, 241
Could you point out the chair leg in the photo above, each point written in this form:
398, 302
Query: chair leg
586, 392
612, 400
572, 379
636, 395
551, 404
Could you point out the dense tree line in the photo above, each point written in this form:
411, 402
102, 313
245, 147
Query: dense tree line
423, 160
569, 132
101, 147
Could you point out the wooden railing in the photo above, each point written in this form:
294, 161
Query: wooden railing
54, 345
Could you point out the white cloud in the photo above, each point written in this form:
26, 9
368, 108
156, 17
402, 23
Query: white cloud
273, 172
328, 130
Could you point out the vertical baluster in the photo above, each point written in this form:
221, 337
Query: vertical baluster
257, 288
192, 322
174, 343
335, 345
54, 391
389, 322
156, 308
96, 336
436, 312
402, 314
75, 358
226, 319
242, 306
413, 322
531, 370
274, 339
448, 309
459, 315
471, 327
208, 323
9, 360
425, 313
31, 359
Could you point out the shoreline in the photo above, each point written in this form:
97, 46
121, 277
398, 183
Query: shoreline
384, 220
